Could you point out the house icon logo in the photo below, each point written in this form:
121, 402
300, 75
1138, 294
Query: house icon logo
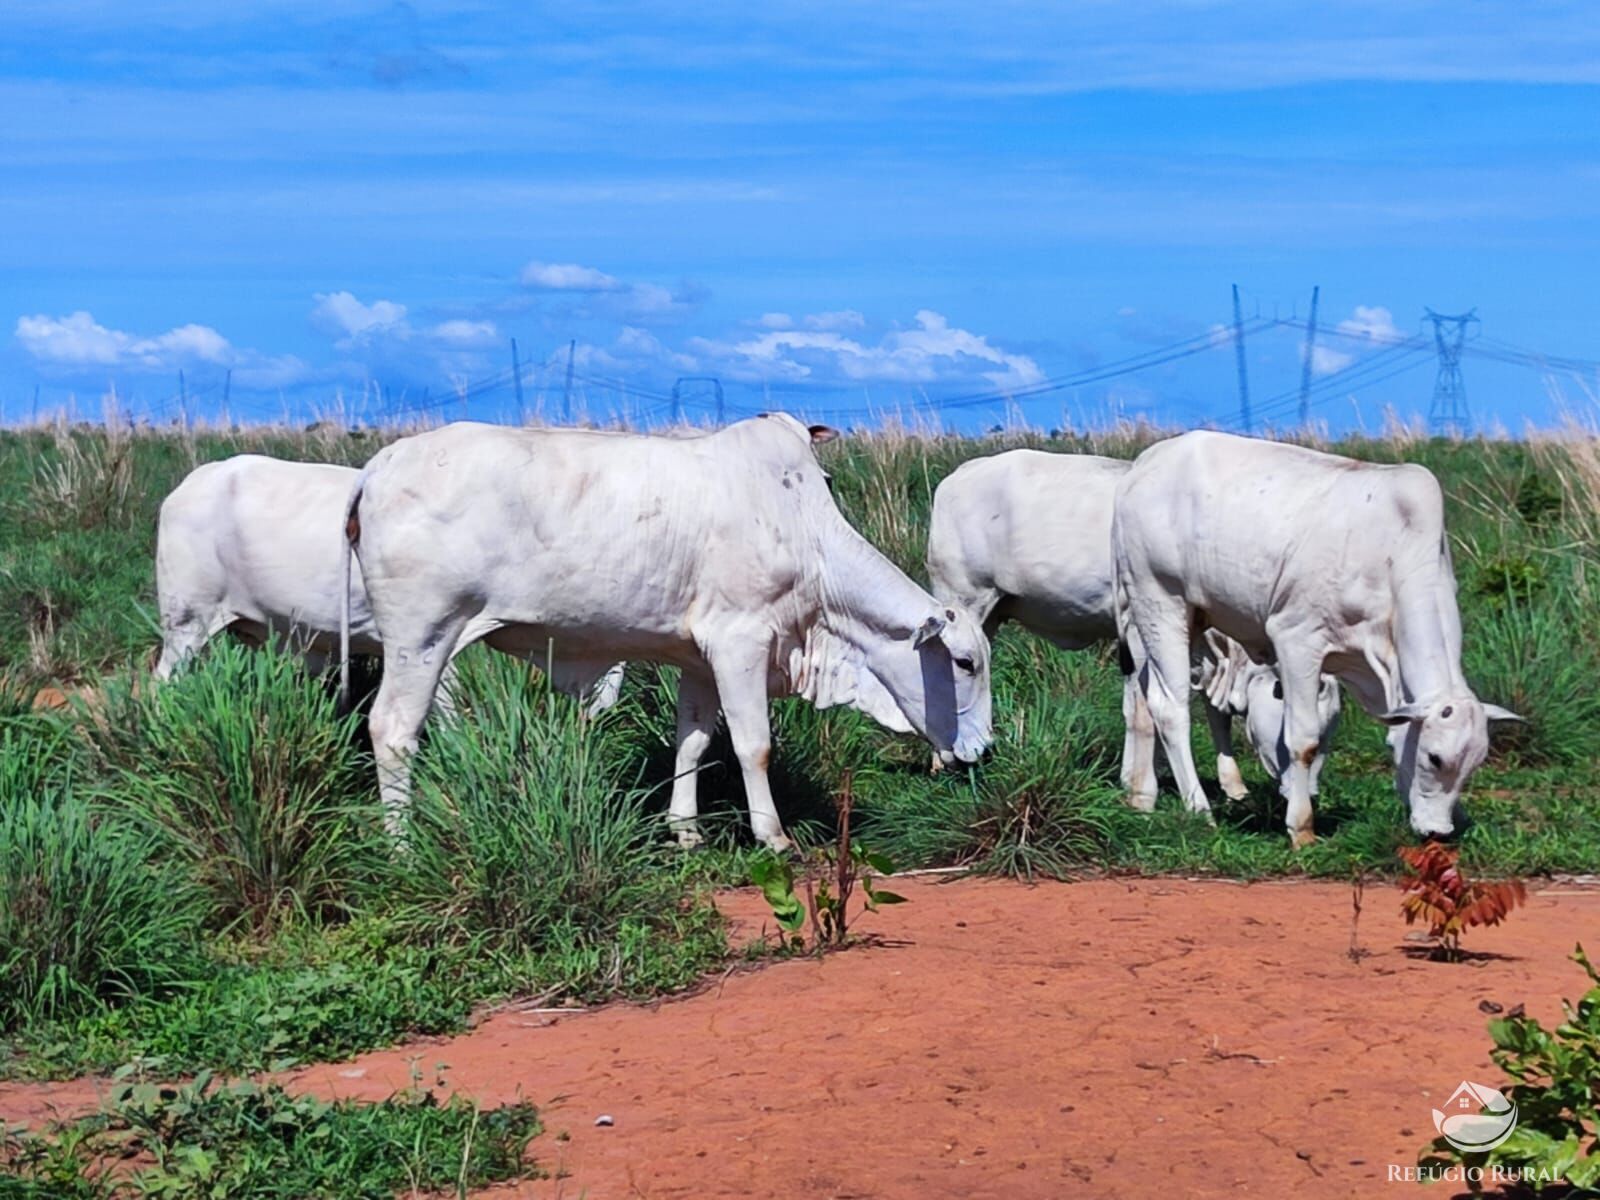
1475, 1118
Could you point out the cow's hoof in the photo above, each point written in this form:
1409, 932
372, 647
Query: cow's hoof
1140, 802
689, 839
1301, 838
1235, 790
780, 845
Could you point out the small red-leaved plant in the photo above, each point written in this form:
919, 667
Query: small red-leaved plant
1437, 892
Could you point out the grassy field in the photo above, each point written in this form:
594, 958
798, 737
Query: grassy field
195, 877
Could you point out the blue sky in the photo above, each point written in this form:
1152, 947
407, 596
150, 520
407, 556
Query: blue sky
825, 206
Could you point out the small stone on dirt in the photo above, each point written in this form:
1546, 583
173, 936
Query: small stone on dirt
605, 1119
1489, 1006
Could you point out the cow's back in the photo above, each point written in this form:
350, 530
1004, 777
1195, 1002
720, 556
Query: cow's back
262, 536
574, 529
1244, 528
1036, 528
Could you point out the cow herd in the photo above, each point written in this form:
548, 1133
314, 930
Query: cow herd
1267, 574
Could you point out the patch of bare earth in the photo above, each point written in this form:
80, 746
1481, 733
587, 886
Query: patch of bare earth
1109, 1038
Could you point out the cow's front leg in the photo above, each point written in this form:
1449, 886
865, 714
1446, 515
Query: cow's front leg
697, 721
1228, 774
741, 679
1302, 734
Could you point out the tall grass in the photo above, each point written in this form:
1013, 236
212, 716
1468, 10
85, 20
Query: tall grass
1045, 802
1533, 656
526, 829
89, 913
244, 771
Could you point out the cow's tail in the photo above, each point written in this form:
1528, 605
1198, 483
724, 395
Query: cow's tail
352, 534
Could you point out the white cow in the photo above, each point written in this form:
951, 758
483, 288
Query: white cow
723, 554
1316, 563
1026, 536
251, 544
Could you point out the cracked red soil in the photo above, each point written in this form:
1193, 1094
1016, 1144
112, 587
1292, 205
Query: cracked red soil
1109, 1038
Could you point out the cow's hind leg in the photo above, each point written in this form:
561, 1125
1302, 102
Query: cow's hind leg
1139, 740
413, 664
1165, 680
697, 721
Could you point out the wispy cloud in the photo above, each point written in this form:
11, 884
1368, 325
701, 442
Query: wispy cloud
567, 277
930, 351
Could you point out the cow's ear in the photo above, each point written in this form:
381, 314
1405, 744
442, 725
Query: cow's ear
1495, 713
822, 433
927, 632
1403, 714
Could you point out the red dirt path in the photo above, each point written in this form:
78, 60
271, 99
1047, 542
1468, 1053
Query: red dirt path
1113, 1038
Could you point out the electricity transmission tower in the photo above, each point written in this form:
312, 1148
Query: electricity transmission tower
1448, 414
677, 395
1305, 368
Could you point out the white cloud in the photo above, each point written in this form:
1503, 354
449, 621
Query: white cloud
341, 314
775, 320
1368, 327
568, 277
847, 318
465, 334
80, 340
1373, 324
649, 299
1325, 360
933, 351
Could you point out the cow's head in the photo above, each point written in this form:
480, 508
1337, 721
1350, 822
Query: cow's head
1437, 747
934, 680
953, 658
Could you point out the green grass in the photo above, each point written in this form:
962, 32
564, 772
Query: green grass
89, 914
208, 1139
249, 914
261, 918
246, 774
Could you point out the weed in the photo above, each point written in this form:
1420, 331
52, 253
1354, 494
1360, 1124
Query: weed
1437, 892
830, 877
1556, 1140
207, 1139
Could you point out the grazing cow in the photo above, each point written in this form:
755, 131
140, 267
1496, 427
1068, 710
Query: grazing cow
251, 544
722, 554
1026, 536
1315, 563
